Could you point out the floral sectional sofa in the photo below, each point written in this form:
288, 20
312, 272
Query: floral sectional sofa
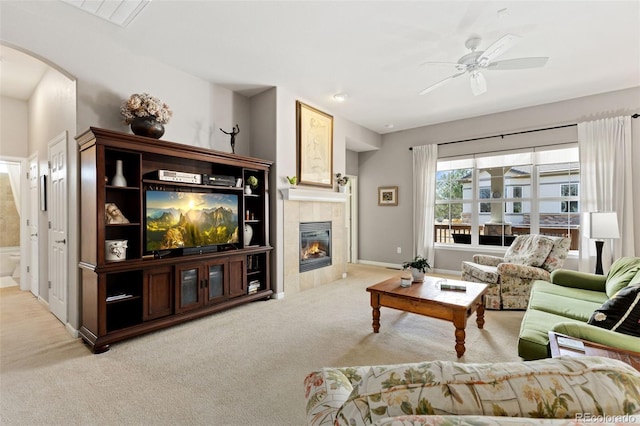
559, 391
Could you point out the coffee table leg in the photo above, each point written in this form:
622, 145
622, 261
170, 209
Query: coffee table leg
375, 304
460, 323
480, 314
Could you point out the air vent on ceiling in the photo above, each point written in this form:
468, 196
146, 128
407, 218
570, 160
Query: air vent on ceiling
119, 12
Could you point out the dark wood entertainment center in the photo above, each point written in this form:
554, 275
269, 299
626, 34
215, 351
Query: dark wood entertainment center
147, 291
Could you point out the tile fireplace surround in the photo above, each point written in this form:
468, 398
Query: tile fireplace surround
305, 205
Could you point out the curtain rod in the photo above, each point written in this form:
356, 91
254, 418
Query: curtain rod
514, 133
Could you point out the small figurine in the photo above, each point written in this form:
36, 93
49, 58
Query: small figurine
233, 133
113, 214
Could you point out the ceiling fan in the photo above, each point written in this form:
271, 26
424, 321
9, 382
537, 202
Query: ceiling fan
476, 61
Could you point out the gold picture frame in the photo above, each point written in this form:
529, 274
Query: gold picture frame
387, 195
315, 146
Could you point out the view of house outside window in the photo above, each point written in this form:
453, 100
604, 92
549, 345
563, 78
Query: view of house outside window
490, 199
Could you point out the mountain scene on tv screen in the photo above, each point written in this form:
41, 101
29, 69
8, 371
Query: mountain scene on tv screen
179, 219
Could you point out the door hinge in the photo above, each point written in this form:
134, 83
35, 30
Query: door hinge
49, 224
27, 222
28, 268
49, 164
49, 284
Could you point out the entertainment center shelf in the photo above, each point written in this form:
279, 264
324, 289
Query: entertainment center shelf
163, 250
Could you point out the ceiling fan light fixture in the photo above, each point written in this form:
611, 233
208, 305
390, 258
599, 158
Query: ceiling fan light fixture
478, 83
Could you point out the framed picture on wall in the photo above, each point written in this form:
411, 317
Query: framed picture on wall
315, 146
387, 195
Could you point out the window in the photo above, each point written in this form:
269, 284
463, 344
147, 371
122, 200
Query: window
516, 206
498, 196
485, 193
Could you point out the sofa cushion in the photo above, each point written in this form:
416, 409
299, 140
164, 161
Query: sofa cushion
551, 388
621, 313
623, 272
558, 253
597, 297
529, 250
533, 341
565, 306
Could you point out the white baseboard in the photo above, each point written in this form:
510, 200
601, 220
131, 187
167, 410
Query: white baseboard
381, 264
72, 331
399, 267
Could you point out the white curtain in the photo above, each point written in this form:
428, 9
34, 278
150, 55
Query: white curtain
425, 164
606, 185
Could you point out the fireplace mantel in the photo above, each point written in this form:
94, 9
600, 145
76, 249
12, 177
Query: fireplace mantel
299, 194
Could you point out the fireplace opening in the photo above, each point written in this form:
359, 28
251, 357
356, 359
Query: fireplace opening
315, 245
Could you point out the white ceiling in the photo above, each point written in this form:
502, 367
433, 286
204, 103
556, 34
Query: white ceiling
373, 50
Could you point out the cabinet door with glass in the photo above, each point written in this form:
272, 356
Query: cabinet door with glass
216, 287
202, 283
190, 279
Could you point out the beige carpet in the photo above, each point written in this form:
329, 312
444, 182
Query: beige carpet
245, 366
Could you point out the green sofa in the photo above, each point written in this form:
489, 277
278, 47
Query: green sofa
566, 304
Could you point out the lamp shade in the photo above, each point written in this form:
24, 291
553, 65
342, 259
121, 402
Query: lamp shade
600, 225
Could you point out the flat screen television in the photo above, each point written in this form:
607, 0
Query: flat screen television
182, 220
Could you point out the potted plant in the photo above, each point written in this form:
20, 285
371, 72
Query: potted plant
251, 182
419, 266
293, 181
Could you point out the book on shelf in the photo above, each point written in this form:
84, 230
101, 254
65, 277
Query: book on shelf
254, 286
118, 297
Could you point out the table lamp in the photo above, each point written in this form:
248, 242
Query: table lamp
599, 226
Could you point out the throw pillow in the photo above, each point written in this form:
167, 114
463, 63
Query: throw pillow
621, 313
531, 250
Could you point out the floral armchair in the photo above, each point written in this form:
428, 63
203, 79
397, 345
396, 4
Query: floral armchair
529, 258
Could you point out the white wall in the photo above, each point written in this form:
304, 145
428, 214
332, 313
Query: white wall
228, 109
382, 229
107, 73
14, 116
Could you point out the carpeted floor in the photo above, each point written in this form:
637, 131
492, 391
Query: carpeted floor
244, 366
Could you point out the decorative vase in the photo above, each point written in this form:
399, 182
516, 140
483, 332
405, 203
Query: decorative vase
247, 189
115, 250
248, 234
417, 275
342, 188
118, 179
147, 126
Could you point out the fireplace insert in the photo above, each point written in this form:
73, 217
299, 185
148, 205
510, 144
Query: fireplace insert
315, 245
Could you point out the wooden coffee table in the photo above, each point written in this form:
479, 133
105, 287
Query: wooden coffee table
426, 299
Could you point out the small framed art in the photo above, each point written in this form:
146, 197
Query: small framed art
387, 195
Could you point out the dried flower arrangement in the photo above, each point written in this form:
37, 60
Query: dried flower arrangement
341, 180
145, 105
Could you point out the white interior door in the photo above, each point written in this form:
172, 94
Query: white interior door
32, 224
57, 213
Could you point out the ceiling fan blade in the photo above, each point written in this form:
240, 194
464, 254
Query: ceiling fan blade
455, 65
518, 63
478, 83
440, 83
500, 46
